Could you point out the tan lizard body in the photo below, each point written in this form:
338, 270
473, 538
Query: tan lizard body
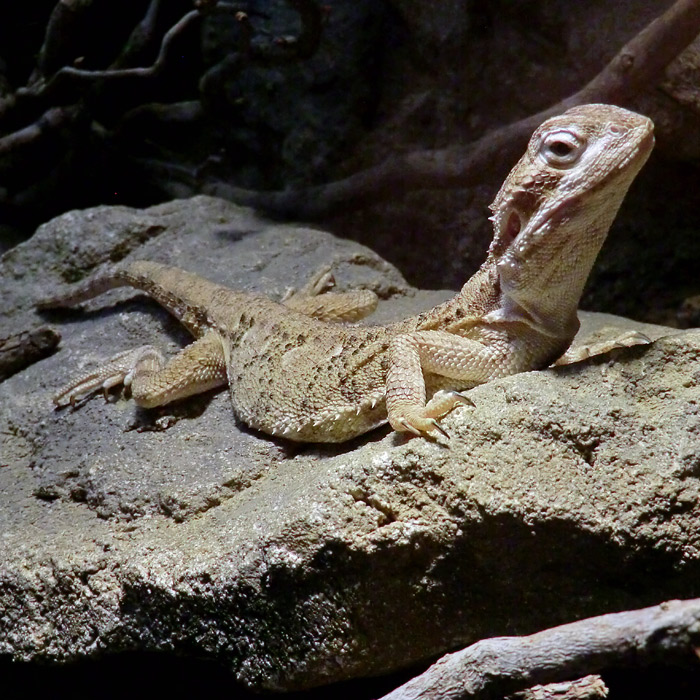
306, 379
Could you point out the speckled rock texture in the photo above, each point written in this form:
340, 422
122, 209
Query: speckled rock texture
561, 494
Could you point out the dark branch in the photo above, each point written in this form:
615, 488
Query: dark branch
170, 113
79, 106
642, 61
141, 37
68, 83
637, 66
50, 121
75, 76
61, 39
669, 632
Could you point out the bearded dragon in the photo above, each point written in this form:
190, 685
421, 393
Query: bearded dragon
294, 371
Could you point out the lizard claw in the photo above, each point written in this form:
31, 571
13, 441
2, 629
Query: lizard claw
439, 428
431, 424
409, 428
423, 420
462, 398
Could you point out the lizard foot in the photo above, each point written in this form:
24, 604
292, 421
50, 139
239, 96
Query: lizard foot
419, 425
583, 352
316, 299
422, 421
321, 281
117, 370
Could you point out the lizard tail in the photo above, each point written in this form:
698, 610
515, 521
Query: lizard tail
92, 287
140, 274
184, 295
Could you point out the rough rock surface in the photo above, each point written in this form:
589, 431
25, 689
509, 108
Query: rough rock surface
561, 494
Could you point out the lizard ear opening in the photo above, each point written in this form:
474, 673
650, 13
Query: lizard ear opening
512, 227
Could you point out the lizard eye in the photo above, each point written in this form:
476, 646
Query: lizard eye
561, 148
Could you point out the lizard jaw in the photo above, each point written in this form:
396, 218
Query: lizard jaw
521, 232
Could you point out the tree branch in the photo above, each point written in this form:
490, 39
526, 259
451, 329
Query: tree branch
60, 39
642, 61
586, 688
49, 122
75, 76
98, 103
637, 66
141, 36
502, 665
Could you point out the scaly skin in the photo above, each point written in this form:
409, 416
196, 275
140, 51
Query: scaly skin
294, 375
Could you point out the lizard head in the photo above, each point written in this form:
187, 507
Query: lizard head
555, 208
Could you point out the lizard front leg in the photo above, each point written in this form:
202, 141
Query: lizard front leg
197, 368
410, 355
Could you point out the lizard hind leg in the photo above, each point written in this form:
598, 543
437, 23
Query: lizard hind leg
199, 367
316, 300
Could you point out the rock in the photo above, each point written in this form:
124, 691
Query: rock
561, 494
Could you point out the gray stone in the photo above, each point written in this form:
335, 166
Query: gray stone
561, 494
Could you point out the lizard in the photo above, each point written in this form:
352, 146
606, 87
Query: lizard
297, 369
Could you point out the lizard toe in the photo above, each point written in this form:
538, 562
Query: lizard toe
420, 425
409, 428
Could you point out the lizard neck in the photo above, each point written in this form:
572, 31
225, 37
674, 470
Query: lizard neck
549, 309
479, 296
544, 288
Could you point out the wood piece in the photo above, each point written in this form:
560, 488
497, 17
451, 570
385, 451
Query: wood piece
23, 349
495, 667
